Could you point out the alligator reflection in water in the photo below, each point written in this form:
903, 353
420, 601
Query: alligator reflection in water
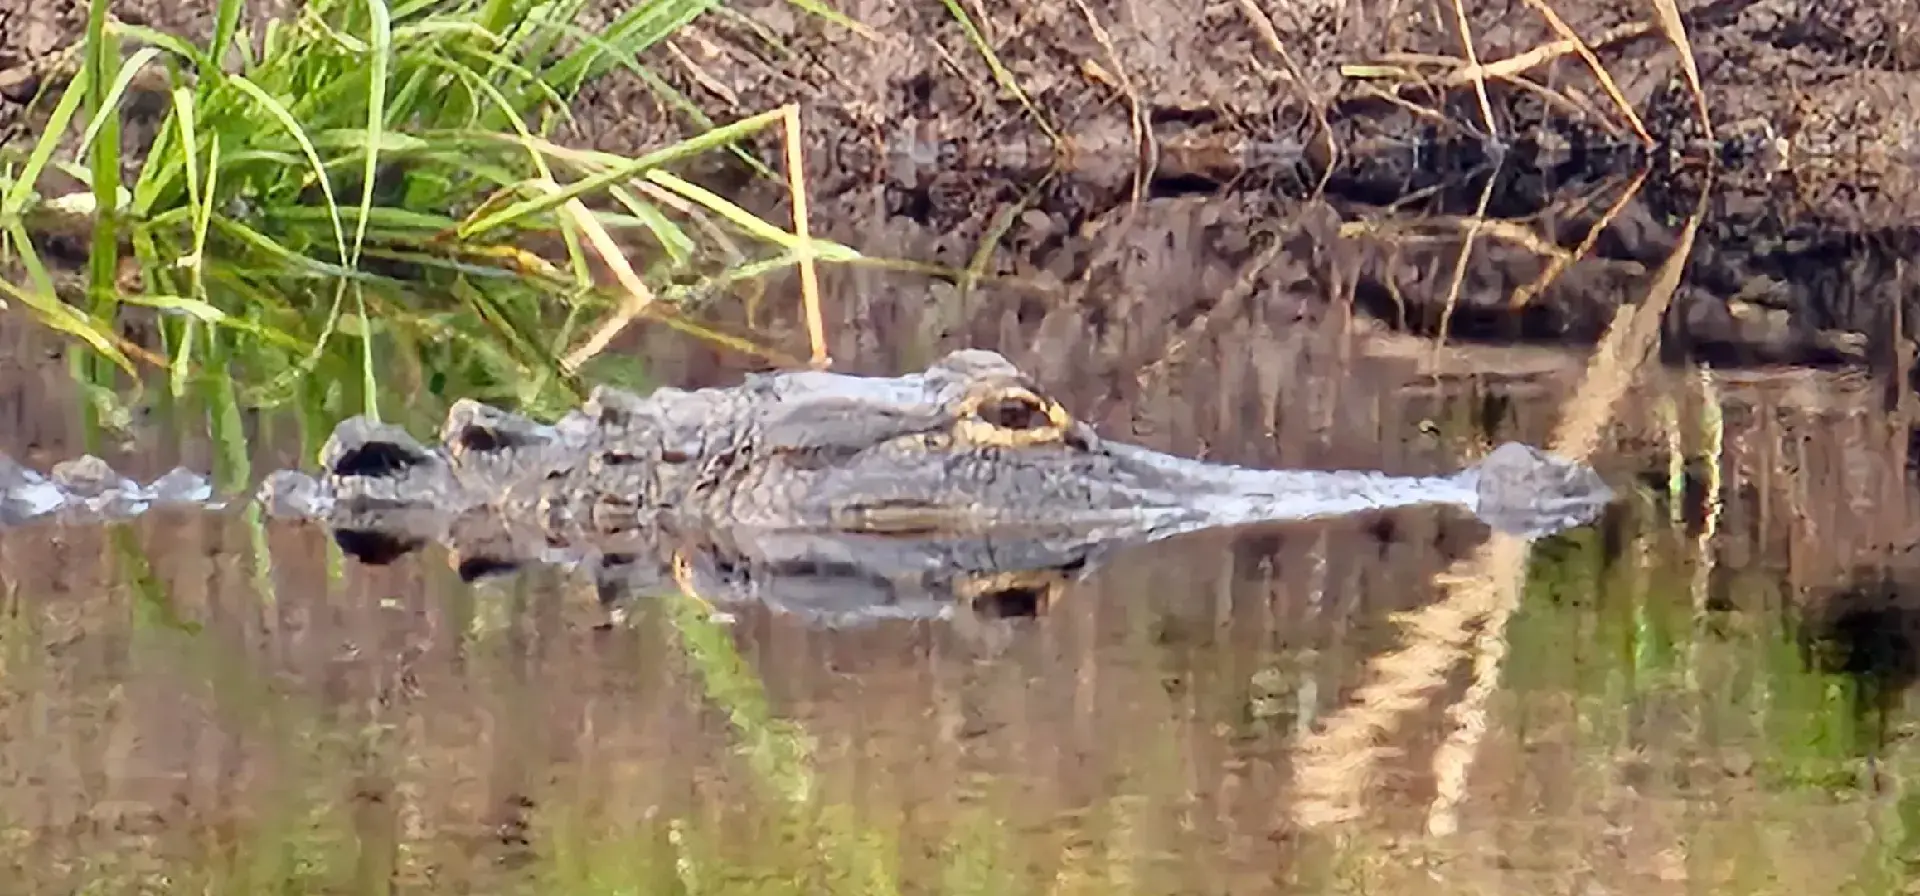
876, 495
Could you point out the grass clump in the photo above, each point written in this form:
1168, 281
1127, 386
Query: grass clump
373, 170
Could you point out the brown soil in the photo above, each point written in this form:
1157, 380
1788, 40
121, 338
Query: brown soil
912, 151
1810, 85
1220, 124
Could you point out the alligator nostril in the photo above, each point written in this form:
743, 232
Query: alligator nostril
375, 459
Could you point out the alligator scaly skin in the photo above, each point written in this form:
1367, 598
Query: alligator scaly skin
942, 476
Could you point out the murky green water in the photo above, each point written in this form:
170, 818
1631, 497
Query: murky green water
1689, 696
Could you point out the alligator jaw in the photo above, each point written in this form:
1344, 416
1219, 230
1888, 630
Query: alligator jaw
1130, 491
1516, 489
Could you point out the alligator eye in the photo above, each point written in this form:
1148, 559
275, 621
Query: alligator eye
1014, 412
1012, 417
1019, 409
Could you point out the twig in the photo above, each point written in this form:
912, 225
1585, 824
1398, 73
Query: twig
809, 277
1540, 55
638, 296
1502, 69
1560, 263
1474, 226
1568, 35
1271, 37
1676, 30
1473, 60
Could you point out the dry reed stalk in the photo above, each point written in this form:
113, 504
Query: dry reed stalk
1509, 231
1474, 224
1473, 61
1144, 148
1540, 55
1560, 263
1454, 759
1271, 37
1471, 70
1568, 36
638, 296
809, 278
1676, 31
1714, 430
1333, 764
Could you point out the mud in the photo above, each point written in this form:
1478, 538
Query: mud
1129, 94
1188, 141
1822, 92
1219, 131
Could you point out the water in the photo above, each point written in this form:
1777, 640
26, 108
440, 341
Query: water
1685, 696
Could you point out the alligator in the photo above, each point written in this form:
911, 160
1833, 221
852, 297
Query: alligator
964, 467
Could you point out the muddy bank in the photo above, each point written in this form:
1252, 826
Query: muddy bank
1276, 194
1822, 93
1126, 95
1197, 155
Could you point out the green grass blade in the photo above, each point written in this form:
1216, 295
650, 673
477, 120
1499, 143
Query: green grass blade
632, 34
109, 106
101, 147
667, 92
226, 24
203, 216
293, 129
20, 192
160, 39
36, 270
381, 33
745, 220
369, 386
190, 147
296, 264
673, 240
62, 317
618, 173
181, 368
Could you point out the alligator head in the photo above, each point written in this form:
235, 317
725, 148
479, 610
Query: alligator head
973, 444
970, 444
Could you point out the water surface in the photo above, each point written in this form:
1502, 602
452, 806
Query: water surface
1690, 694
